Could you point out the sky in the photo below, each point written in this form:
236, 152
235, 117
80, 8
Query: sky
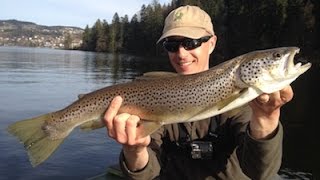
78, 13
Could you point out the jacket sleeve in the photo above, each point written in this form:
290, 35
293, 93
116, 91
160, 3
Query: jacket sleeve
258, 159
261, 159
152, 169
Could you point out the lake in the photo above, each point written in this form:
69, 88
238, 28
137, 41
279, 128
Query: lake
35, 81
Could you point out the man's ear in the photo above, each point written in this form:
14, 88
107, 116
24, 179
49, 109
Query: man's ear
212, 44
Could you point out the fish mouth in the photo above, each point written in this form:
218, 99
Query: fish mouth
293, 69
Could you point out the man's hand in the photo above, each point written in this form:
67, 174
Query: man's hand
266, 112
124, 129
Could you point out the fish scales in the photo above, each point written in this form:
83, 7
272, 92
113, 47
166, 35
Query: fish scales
173, 95
176, 94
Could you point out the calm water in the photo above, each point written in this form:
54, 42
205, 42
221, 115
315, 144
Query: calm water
34, 81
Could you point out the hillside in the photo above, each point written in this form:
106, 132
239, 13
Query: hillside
21, 33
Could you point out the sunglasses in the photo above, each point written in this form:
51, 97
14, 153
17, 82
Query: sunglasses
172, 45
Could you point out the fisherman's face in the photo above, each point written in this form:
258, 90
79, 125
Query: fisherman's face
194, 60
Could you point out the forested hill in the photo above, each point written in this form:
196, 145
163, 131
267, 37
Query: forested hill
21, 33
241, 26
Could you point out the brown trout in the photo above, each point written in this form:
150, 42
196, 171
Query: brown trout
165, 99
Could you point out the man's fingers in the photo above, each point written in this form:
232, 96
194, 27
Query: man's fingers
270, 102
111, 112
286, 94
119, 125
131, 129
122, 127
277, 98
264, 98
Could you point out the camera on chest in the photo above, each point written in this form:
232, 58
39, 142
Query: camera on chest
201, 149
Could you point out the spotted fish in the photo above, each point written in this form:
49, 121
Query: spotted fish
162, 98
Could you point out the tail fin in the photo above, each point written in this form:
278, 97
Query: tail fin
35, 140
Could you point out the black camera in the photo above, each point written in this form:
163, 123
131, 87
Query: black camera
201, 149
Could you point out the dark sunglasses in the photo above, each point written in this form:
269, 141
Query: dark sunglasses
172, 45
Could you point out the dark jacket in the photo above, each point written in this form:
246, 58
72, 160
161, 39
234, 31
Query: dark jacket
236, 155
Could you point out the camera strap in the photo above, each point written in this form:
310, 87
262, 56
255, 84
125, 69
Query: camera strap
183, 144
184, 135
212, 131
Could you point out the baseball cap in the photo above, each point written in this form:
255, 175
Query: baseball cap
187, 21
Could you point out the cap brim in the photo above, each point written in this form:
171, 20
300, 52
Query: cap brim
189, 32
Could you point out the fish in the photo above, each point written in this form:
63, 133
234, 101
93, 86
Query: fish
160, 98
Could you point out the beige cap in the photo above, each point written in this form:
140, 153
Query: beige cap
187, 21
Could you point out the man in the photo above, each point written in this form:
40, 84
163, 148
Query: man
246, 146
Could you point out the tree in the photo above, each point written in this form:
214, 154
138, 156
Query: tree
152, 23
114, 35
99, 36
134, 36
87, 41
124, 36
241, 26
68, 41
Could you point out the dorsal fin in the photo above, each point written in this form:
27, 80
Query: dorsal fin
81, 96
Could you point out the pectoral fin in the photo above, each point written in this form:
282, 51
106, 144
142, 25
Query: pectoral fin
235, 101
246, 96
237, 111
229, 100
92, 125
147, 127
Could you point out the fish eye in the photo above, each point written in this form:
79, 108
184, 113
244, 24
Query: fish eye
277, 55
